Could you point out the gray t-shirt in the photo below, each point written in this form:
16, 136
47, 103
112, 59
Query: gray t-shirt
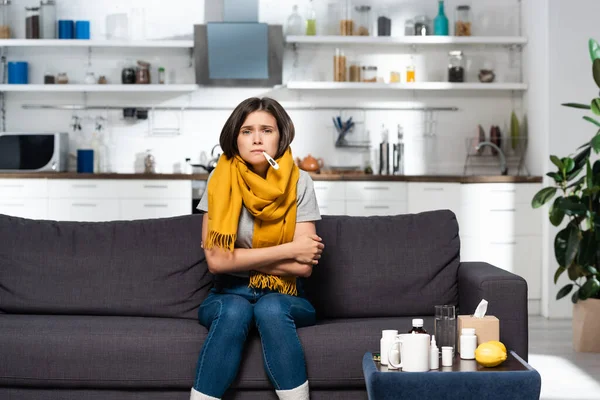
307, 210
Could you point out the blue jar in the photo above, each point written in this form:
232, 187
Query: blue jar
82, 29
66, 29
18, 73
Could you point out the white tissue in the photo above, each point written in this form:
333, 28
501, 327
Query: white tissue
481, 309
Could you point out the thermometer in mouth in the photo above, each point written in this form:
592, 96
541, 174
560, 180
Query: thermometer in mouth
271, 161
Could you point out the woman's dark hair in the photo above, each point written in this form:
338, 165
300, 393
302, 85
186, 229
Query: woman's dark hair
231, 129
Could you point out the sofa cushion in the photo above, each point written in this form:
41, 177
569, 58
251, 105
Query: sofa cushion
143, 268
386, 266
131, 352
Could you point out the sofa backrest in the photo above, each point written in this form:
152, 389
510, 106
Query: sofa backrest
128, 268
386, 266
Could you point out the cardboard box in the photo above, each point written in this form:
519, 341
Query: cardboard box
486, 328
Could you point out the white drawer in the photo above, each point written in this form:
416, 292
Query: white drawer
433, 196
368, 191
154, 208
380, 207
24, 208
83, 189
500, 222
333, 207
522, 256
499, 194
83, 209
156, 189
23, 188
327, 191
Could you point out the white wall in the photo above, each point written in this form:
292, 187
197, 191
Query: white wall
200, 129
559, 70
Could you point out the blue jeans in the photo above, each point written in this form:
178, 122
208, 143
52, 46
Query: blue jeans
229, 312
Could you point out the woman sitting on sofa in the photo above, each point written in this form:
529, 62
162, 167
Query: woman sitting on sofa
259, 238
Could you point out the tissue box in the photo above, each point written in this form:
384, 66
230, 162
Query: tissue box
486, 328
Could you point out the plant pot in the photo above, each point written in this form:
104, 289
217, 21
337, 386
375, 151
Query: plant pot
586, 325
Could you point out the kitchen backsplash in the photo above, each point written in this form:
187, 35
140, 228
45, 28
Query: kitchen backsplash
435, 143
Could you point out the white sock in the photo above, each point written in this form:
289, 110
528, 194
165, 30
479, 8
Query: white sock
196, 395
297, 393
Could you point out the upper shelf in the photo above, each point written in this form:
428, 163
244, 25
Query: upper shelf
308, 85
175, 44
98, 88
409, 40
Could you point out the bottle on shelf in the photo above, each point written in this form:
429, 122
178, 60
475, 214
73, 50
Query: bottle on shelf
417, 326
384, 153
295, 23
311, 20
440, 23
339, 66
5, 31
398, 153
410, 71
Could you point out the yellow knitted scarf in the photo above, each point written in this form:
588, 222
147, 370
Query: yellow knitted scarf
272, 202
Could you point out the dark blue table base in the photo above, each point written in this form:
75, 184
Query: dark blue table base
512, 380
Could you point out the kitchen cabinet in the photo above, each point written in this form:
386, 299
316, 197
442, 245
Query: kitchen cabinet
83, 209
430, 196
376, 198
83, 188
498, 225
25, 198
153, 208
106, 200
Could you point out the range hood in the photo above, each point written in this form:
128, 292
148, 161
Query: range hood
233, 49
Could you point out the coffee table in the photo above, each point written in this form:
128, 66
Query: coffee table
513, 379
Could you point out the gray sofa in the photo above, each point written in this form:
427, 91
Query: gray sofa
108, 310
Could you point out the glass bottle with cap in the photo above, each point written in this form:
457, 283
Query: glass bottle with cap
417, 326
5, 19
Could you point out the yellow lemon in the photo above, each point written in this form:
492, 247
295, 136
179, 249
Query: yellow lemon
499, 344
489, 354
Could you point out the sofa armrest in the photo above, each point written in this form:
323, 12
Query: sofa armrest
507, 297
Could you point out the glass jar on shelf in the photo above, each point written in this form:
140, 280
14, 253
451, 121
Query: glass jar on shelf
48, 19
354, 72
456, 67
62, 78
384, 23
363, 20
143, 73
32, 22
346, 21
4, 19
462, 25
311, 19
422, 27
409, 27
410, 71
369, 73
339, 66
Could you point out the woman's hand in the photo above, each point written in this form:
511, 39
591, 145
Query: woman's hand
307, 249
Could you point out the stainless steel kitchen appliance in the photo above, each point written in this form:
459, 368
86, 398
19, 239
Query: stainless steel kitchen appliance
34, 152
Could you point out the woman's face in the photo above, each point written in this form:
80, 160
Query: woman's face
258, 133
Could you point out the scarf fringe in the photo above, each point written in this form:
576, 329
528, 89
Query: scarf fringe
259, 280
221, 240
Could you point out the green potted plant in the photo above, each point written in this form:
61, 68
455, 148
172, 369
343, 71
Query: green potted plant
575, 205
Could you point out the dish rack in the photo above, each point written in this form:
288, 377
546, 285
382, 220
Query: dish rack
487, 159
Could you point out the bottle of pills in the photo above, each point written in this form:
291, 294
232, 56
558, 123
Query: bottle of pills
468, 343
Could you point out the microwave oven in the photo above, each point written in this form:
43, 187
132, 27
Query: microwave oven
34, 152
